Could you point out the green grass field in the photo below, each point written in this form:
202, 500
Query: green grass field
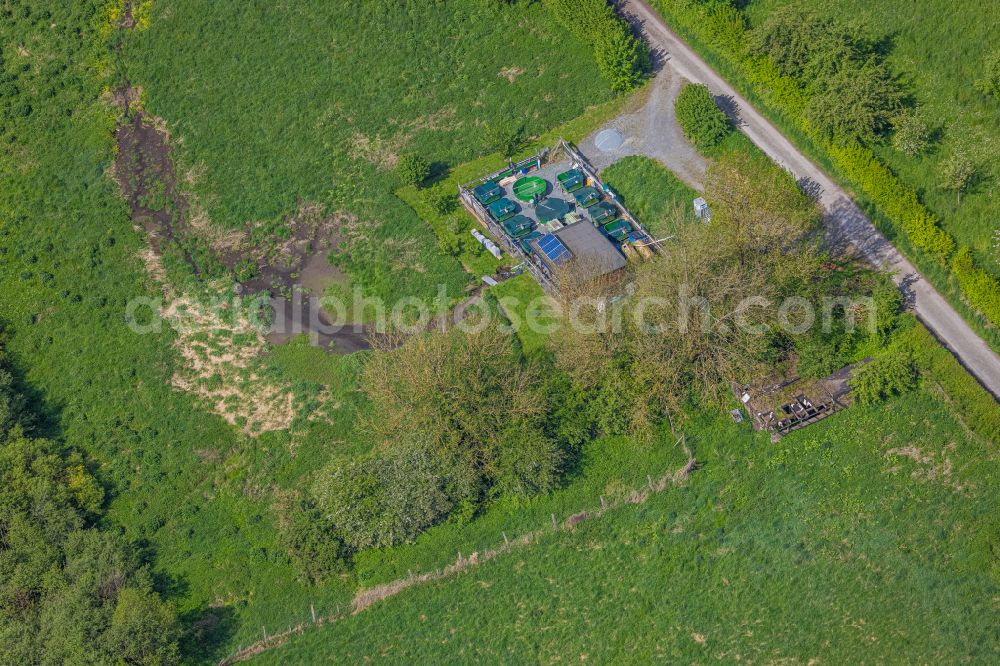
937, 48
275, 105
272, 105
649, 190
868, 538
311, 101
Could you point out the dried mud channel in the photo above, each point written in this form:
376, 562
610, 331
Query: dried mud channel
294, 270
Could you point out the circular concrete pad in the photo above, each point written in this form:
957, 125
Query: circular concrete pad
609, 140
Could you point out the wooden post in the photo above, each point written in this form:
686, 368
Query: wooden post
265, 634
603, 506
506, 542
554, 525
312, 611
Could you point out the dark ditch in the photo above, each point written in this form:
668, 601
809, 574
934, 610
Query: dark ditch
293, 270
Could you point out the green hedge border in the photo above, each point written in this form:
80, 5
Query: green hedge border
717, 31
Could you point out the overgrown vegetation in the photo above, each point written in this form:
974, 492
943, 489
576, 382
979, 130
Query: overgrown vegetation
70, 592
764, 539
204, 499
700, 117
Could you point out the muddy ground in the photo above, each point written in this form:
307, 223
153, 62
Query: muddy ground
291, 266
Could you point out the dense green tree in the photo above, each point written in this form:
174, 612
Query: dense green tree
143, 630
466, 395
790, 37
413, 169
989, 83
69, 592
891, 374
852, 94
622, 60
957, 173
856, 103
703, 122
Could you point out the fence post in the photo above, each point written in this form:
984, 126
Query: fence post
603, 506
312, 611
506, 542
554, 524
265, 634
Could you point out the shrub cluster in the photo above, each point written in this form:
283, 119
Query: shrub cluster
703, 122
622, 59
458, 419
69, 591
891, 374
819, 75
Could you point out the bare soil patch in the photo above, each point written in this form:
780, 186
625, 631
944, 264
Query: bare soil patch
290, 263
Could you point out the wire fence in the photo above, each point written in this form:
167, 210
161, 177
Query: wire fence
366, 598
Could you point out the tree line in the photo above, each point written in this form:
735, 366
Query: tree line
71, 590
834, 85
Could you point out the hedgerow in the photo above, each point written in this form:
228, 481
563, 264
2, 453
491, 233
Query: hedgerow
622, 59
981, 288
721, 24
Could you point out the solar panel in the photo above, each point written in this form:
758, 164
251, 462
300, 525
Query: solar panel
553, 248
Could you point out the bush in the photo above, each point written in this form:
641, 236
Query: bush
989, 84
891, 374
392, 495
911, 135
699, 116
979, 286
441, 201
314, 547
413, 169
622, 59
818, 356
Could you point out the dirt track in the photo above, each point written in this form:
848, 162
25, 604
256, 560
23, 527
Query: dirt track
847, 225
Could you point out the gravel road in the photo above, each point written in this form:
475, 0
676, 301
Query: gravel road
652, 130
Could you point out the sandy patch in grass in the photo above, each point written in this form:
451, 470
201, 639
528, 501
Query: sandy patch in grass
225, 372
510, 73
930, 466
